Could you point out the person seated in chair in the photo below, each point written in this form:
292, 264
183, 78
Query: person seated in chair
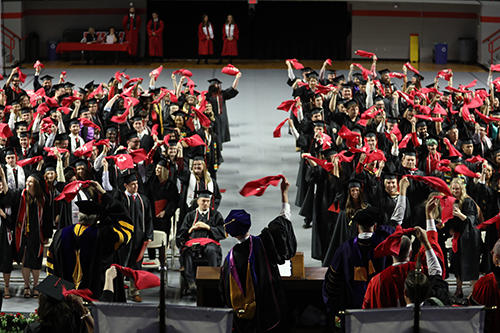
200, 233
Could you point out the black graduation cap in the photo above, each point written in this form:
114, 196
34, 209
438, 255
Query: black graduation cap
347, 85
82, 110
329, 152
203, 193
92, 101
362, 82
20, 123
332, 71
357, 75
58, 86
136, 118
15, 76
306, 69
25, 110
367, 217
389, 175
453, 159
354, 182
357, 128
319, 123
199, 158
409, 152
421, 123
449, 127
39, 177
14, 102
49, 167
378, 98
370, 134
419, 77
61, 137
338, 78
120, 111
482, 124
80, 162
315, 110
74, 121
352, 102
82, 91
430, 86
9, 151
467, 141
185, 84
312, 74
342, 101
179, 113
23, 134
384, 71
446, 93
495, 150
132, 134
52, 287
46, 78
131, 177
214, 81
69, 85
393, 120
111, 128
163, 162
89, 207
495, 113
146, 96
89, 85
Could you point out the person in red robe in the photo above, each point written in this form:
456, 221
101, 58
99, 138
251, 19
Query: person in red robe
205, 39
230, 36
155, 35
131, 24
486, 292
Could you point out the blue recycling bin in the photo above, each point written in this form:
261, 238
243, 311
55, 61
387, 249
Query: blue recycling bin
51, 50
441, 53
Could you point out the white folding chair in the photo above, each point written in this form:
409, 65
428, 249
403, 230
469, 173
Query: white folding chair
159, 238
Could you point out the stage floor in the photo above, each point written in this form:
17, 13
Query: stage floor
252, 153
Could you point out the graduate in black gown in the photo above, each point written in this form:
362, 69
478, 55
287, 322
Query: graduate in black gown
7, 226
218, 97
202, 227
250, 282
103, 228
31, 214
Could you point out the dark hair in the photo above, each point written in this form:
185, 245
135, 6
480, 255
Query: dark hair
203, 20
417, 280
232, 22
55, 313
39, 196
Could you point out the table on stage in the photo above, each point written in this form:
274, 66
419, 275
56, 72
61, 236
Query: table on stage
301, 290
68, 47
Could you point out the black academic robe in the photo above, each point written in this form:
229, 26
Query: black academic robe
220, 111
141, 214
7, 244
97, 244
261, 254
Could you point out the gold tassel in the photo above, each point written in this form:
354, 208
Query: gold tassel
77, 273
360, 274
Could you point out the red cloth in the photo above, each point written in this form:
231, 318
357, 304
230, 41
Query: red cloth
38, 64
454, 241
329, 62
122, 161
120, 119
5, 131
156, 41
486, 119
132, 31
230, 70
405, 141
51, 153
205, 46
71, 190
411, 68
343, 158
85, 150
83, 293
370, 113
22, 76
322, 163
64, 76
452, 151
118, 76
259, 186
97, 91
397, 75
470, 85
445, 74
29, 161
183, 72
142, 279
138, 155
437, 119
230, 47
204, 121
89, 123
296, 64
487, 293
494, 220
202, 241
391, 245
377, 155
387, 288
194, 141
438, 109
495, 68
156, 72
446, 207
103, 142
475, 159
67, 101
70, 47
465, 171
436, 183
286, 105
364, 54
277, 130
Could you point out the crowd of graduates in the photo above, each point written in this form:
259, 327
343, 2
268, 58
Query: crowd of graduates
98, 168
375, 154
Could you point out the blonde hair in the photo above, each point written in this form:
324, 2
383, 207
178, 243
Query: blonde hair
461, 183
163, 175
206, 174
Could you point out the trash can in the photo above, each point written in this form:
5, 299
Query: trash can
467, 50
51, 50
441, 53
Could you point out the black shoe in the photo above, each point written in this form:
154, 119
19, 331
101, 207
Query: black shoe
198, 62
307, 224
206, 61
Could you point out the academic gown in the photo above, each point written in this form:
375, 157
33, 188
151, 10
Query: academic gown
7, 244
487, 292
261, 254
349, 272
205, 46
465, 262
230, 47
97, 245
220, 112
31, 233
141, 215
155, 42
131, 27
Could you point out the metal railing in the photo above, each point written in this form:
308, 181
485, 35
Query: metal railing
11, 37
